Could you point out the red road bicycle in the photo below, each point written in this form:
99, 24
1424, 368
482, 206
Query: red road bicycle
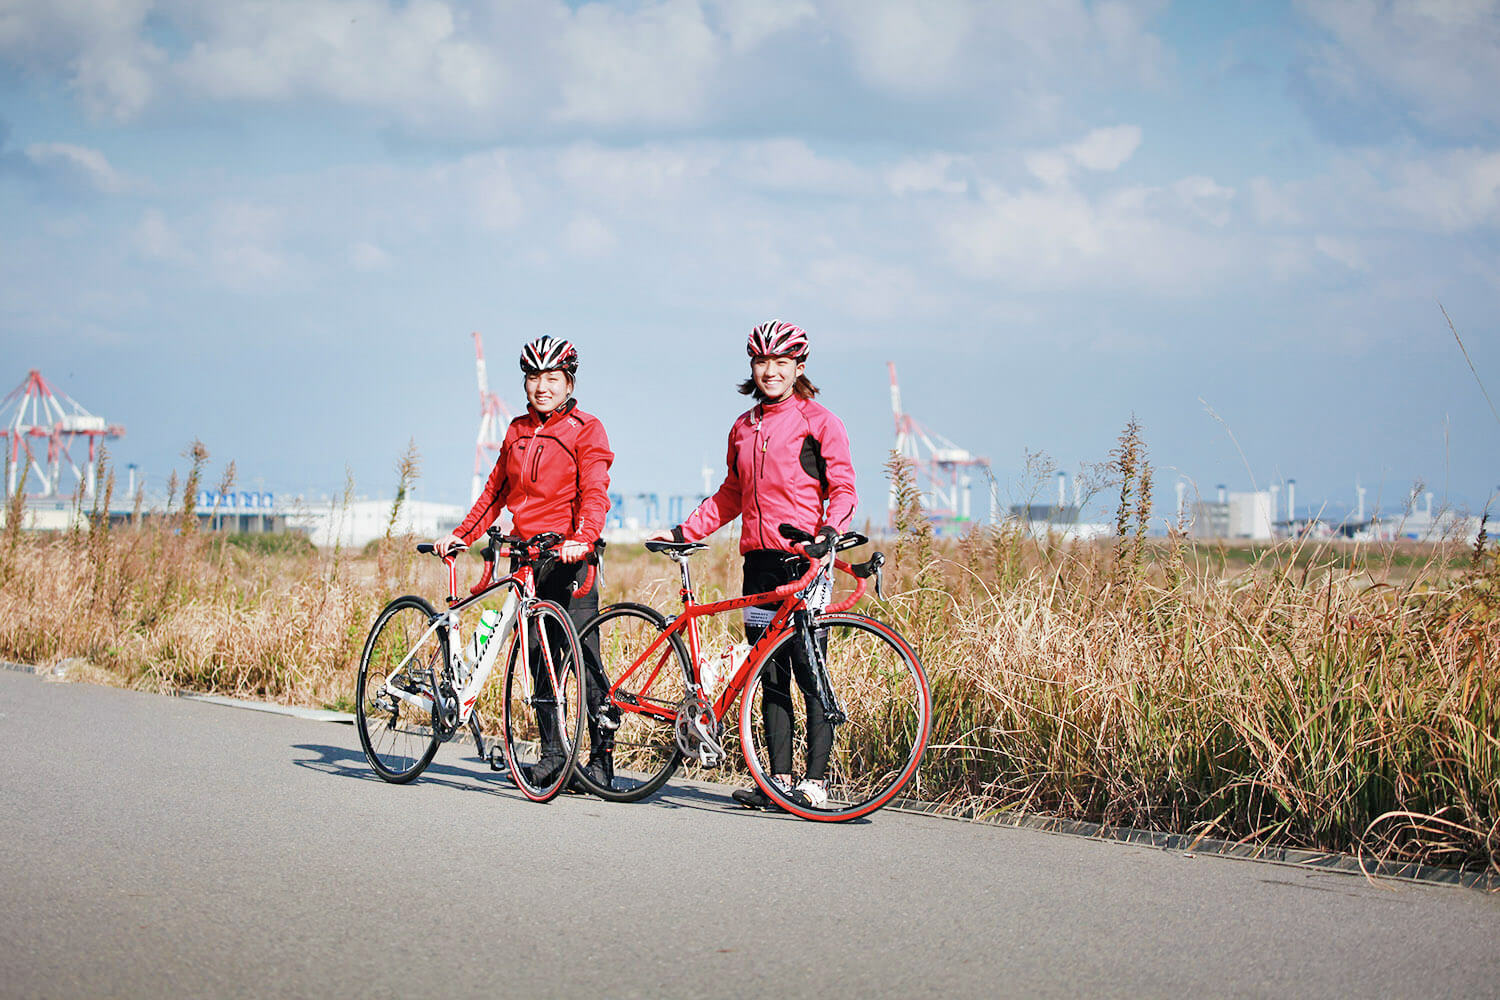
418, 685
870, 682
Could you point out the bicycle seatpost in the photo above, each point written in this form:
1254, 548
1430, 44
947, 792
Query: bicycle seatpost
833, 710
687, 577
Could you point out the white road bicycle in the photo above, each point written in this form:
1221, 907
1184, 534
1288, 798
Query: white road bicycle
417, 689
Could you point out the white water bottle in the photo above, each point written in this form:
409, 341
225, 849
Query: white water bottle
488, 619
723, 666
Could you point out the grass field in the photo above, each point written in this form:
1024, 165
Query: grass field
1333, 697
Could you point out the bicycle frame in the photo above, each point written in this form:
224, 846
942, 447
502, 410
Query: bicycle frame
792, 598
523, 585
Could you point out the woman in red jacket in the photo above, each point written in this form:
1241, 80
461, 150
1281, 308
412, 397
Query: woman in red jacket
553, 475
788, 463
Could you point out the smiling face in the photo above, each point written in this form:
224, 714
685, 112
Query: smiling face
776, 377
548, 390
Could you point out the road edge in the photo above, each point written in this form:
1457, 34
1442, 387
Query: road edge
1173, 842
1190, 846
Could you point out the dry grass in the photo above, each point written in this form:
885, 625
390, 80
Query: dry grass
1333, 698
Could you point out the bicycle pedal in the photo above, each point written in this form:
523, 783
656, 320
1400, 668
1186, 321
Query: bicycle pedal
497, 760
707, 758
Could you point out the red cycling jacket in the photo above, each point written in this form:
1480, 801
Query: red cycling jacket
553, 474
788, 464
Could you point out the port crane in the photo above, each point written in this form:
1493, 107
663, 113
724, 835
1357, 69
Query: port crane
494, 417
35, 412
945, 472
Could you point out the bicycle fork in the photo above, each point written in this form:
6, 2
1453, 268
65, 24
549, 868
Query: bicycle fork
833, 709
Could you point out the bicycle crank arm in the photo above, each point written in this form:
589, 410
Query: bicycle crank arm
710, 751
478, 736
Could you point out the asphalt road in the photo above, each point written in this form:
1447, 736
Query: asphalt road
160, 847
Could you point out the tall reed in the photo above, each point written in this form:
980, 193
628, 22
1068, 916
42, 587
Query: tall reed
1332, 696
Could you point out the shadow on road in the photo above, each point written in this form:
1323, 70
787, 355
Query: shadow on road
343, 762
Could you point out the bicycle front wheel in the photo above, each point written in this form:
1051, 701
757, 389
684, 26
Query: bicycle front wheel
888, 704
645, 752
393, 692
544, 709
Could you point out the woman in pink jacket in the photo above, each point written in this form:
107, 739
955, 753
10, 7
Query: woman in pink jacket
788, 463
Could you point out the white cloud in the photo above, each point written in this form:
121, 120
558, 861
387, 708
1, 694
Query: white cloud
483, 185
1272, 206
748, 23
1205, 198
1438, 57
368, 257
96, 46
1102, 149
1346, 252
1049, 166
440, 67
156, 239
244, 250
78, 165
932, 173
791, 165
1408, 191
1105, 149
586, 236
1453, 192
643, 173
907, 48
358, 52
861, 287
1133, 237
651, 64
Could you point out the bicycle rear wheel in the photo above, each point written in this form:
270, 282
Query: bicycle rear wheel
543, 709
645, 744
876, 751
393, 691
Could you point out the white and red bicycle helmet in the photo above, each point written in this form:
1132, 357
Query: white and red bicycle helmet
546, 354
777, 340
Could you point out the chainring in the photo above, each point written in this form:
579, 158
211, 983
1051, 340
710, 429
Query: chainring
698, 732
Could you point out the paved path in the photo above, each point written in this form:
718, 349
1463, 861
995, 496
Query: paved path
161, 847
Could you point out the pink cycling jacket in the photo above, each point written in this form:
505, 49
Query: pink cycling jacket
788, 464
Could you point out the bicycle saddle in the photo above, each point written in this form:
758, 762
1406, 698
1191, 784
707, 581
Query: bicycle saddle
683, 547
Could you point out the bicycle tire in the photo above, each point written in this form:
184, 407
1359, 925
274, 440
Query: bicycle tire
889, 705
645, 747
549, 701
399, 739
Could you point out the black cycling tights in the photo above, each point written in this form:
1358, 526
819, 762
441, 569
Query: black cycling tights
776, 705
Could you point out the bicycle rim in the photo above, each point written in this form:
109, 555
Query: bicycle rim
398, 737
543, 708
645, 750
875, 753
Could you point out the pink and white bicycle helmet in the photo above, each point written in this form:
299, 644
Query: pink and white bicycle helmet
545, 354
779, 340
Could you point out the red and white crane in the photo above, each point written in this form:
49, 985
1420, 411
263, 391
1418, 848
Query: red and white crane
34, 412
494, 417
944, 470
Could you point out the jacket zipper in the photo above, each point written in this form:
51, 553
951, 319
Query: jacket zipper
536, 458
758, 465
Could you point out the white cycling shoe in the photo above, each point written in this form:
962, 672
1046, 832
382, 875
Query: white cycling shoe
810, 793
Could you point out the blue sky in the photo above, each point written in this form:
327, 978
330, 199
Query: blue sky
272, 226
